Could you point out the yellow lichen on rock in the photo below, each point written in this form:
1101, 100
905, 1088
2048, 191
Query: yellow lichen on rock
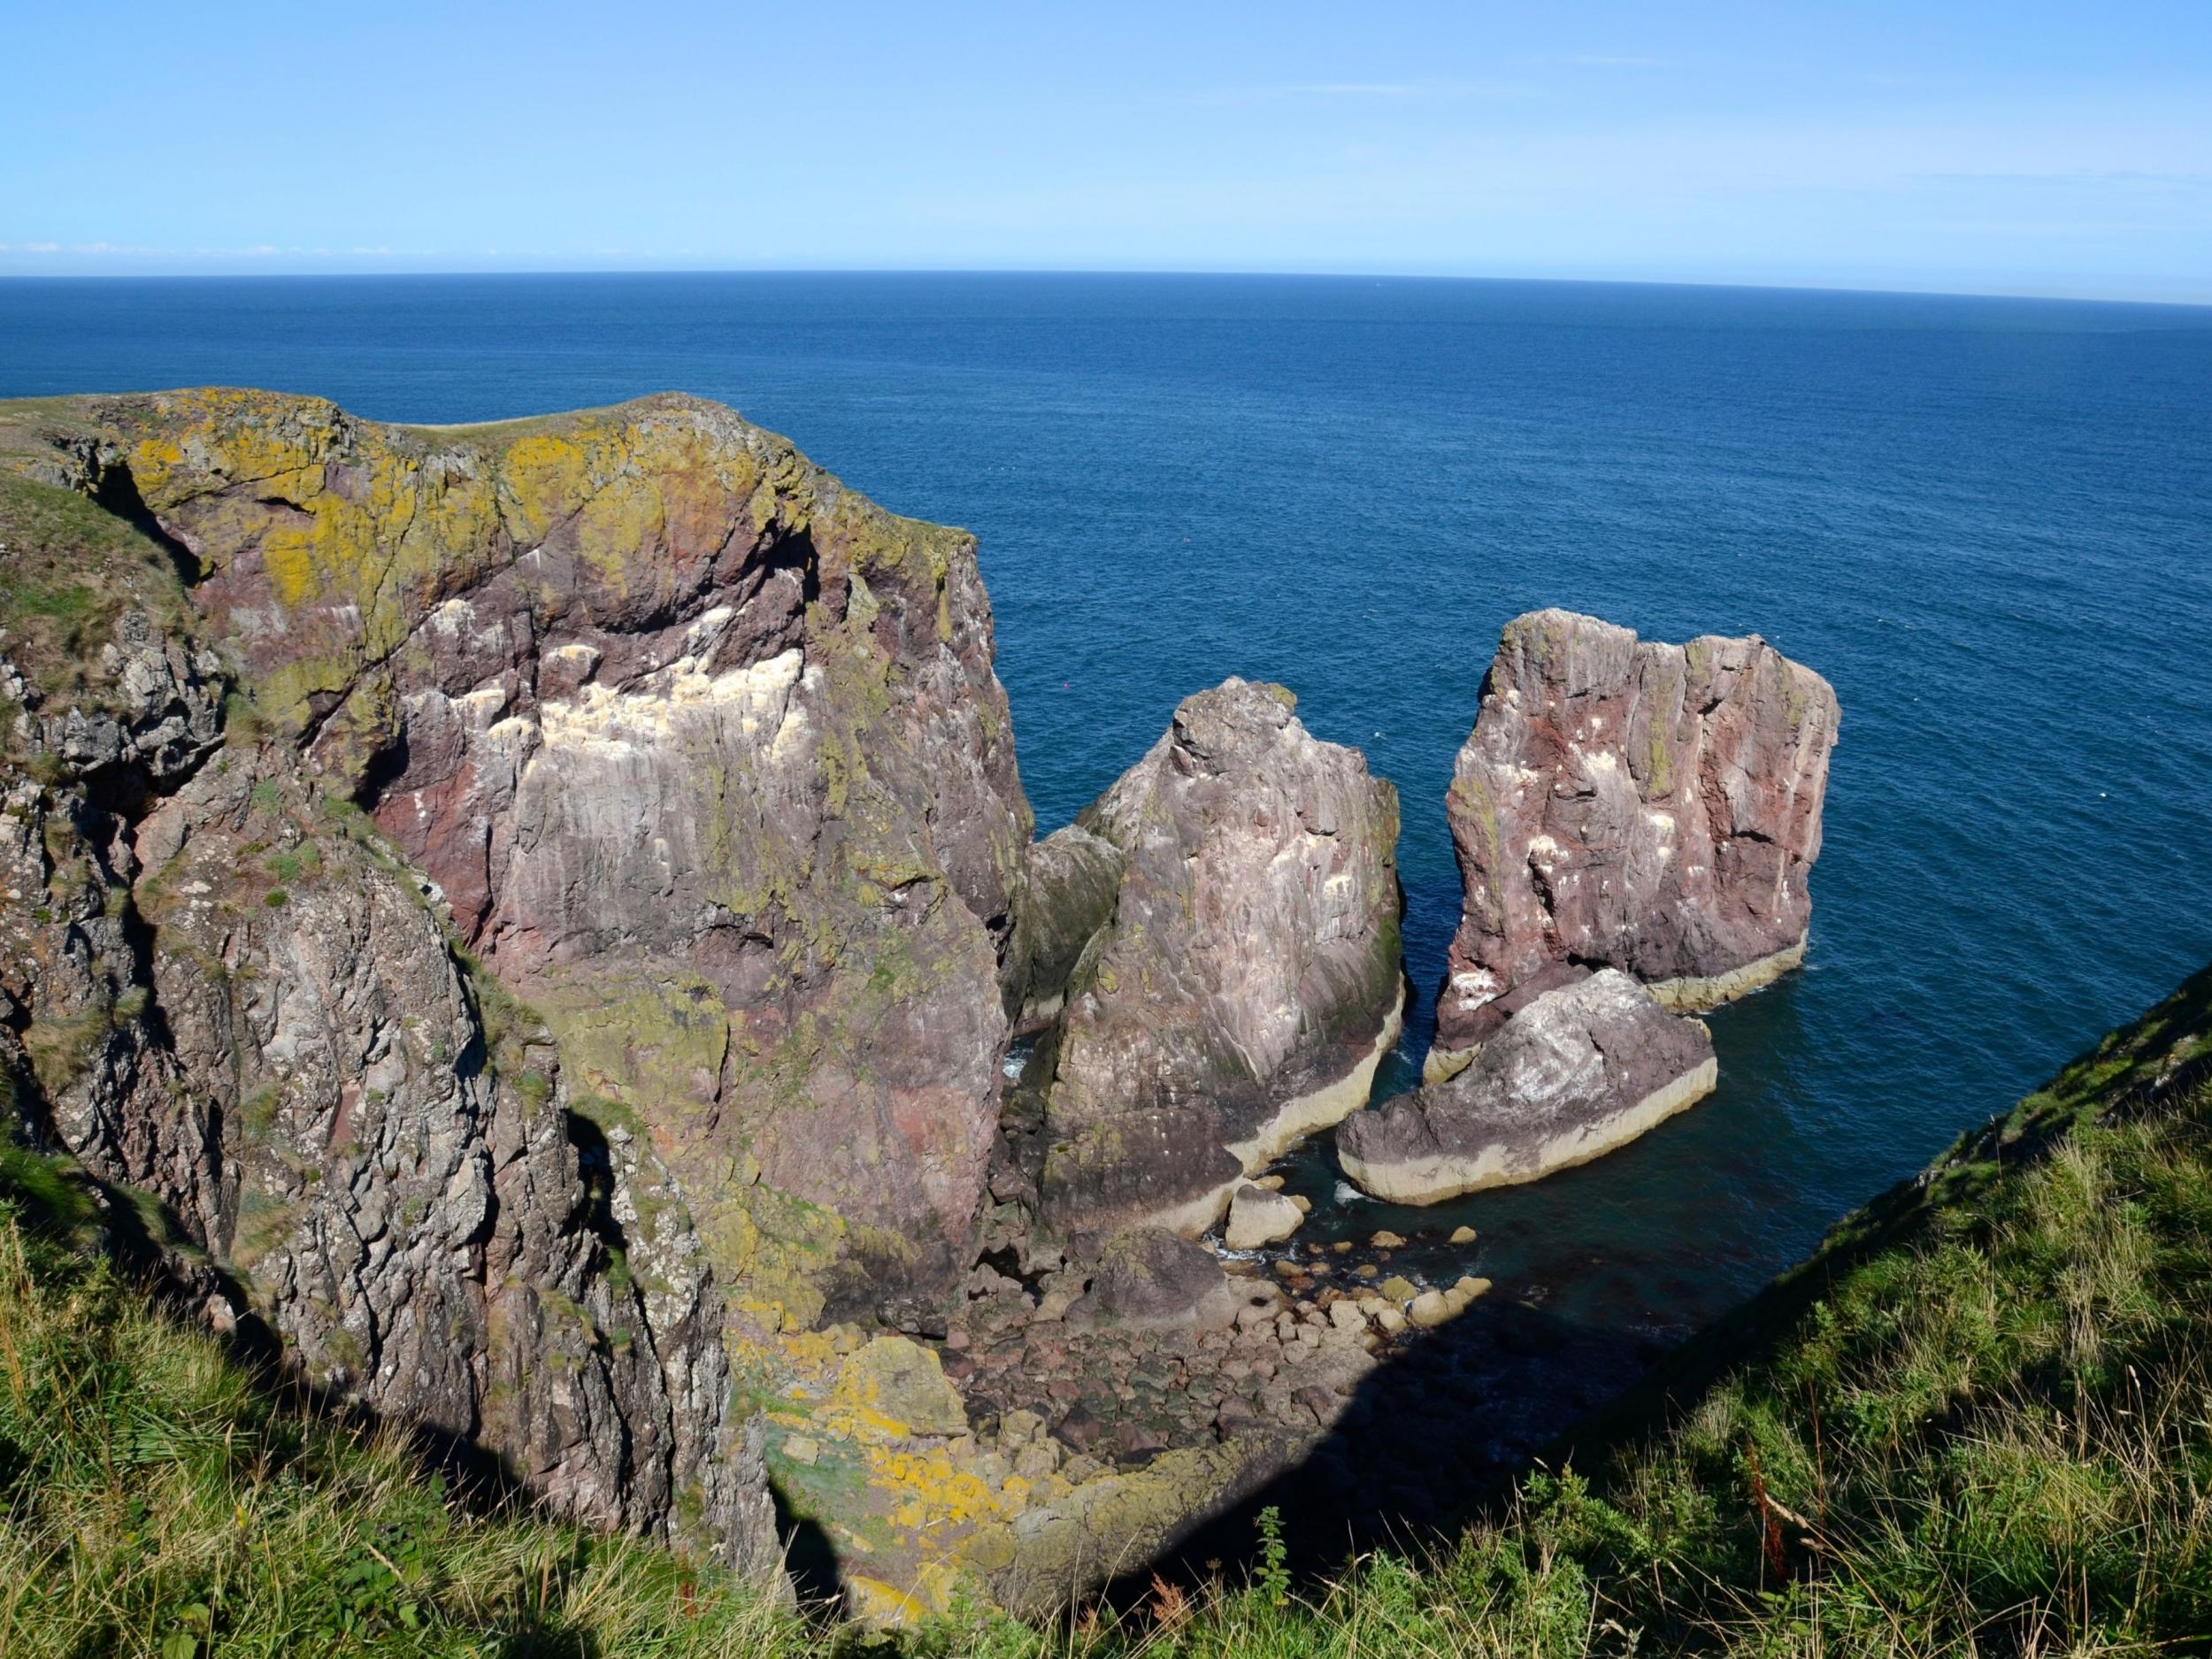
897, 1387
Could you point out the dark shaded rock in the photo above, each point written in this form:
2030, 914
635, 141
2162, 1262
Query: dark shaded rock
1079, 1429
1073, 878
1247, 981
1151, 1276
1064, 1551
1576, 1073
1652, 808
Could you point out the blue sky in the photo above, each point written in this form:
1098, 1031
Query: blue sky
1995, 146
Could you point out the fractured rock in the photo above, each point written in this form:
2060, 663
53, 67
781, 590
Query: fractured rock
1579, 1073
704, 753
306, 1082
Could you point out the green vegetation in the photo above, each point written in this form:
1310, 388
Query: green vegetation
1978, 1421
68, 568
153, 1502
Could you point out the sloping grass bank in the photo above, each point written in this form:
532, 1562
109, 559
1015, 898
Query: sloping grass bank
1979, 1421
154, 1502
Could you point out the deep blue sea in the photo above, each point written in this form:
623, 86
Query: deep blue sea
1988, 522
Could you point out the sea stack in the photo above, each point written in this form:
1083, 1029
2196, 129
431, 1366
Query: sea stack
1242, 983
1580, 1071
1629, 804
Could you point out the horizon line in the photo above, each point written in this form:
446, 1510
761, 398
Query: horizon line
1807, 286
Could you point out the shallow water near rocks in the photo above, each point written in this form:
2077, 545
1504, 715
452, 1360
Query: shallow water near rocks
1986, 521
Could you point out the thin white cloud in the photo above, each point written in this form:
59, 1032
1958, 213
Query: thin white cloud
1362, 92
257, 251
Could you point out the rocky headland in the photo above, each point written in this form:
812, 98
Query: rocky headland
534, 924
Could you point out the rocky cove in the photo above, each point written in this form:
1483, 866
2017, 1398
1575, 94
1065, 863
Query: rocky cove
543, 912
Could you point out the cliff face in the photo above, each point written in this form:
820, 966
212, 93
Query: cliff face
222, 991
700, 753
1243, 980
1652, 808
704, 753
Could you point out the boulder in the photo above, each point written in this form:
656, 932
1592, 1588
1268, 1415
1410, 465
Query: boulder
901, 1380
1244, 985
1620, 803
1579, 1073
1258, 1216
1153, 1278
1465, 1291
1430, 1309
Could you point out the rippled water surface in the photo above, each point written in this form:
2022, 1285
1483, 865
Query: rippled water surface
1986, 520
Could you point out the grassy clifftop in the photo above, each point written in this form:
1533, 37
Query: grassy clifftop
1978, 1421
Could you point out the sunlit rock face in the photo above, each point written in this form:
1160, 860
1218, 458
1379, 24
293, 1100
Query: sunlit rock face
1580, 1071
1652, 808
706, 754
1244, 981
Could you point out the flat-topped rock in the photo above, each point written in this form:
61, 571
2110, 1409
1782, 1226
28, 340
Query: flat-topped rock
1579, 1071
1621, 803
1244, 981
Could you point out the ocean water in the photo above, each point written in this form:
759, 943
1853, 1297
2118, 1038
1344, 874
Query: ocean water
1988, 522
